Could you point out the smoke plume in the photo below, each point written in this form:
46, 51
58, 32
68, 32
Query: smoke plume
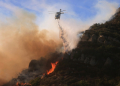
20, 42
72, 26
71, 23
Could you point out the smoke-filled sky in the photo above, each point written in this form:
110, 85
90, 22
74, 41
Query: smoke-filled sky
77, 9
37, 6
28, 31
83, 13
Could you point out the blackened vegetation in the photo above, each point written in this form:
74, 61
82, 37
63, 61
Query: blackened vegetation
35, 70
74, 73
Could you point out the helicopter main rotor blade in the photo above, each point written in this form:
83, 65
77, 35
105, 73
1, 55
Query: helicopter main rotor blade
62, 12
52, 12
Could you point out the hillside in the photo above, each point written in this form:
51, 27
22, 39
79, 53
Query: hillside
95, 61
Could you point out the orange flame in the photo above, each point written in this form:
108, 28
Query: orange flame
53, 67
23, 84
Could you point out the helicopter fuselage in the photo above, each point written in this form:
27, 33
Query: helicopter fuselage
57, 15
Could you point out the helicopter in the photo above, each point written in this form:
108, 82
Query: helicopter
57, 14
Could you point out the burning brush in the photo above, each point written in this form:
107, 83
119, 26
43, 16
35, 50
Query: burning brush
51, 70
23, 84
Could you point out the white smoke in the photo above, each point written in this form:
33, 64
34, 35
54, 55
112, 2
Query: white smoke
105, 10
70, 21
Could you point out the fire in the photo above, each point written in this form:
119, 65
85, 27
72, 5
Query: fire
23, 84
53, 67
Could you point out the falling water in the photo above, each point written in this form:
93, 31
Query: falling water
62, 36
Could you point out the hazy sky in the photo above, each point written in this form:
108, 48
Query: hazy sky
79, 16
81, 9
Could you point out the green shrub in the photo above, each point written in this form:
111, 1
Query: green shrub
82, 83
35, 82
